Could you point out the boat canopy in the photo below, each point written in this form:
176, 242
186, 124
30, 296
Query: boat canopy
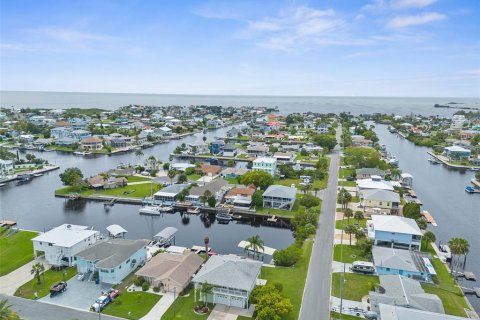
166, 233
116, 230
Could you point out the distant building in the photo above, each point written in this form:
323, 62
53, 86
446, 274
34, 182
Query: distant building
217, 188
6, 168
232, 173
79, 134
60, 132
367, 173
458, 121
375, 182
457, 153
91, 143
257, 150
268, 165
216, 147
229, 150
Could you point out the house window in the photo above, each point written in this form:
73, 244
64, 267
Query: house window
127, 261
50, 244
388, 269
112, 270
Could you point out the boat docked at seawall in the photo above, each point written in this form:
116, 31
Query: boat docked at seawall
82, 153
393, 161
193, 210
151, 210
223, 217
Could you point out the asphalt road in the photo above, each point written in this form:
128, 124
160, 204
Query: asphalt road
35, 310
316, 296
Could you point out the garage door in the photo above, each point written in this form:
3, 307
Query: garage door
222, 299
237, 302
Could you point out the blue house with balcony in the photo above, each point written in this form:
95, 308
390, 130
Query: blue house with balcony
457, 153
113, 259
216, 147
395, 232
411, 264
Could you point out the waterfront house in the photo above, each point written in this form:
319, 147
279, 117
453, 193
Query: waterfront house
229, 150
394, 231
378, 198
257, 150
310, 147
79, 134
217, 188
407, 263
100, 182
233, 132
284, 157
240, 196
456, 153
65, 141
113, 259
171, 272
216, 147
79, 123
42, 142
214, 123
233, 279
91, 143
279, 197
392, 312
233, 173
209, 170
6, 168
375, 182
162, 132
168, 195
60, 132
367, 173
405, 292
62, 243
198, 148
268, 165
26, 138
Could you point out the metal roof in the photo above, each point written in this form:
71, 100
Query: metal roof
115, 230
166, 233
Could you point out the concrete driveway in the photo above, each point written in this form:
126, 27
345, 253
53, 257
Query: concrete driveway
79, 294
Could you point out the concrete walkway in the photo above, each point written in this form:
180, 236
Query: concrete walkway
10, 282
338, 267
223, 312
160, 307
347, 304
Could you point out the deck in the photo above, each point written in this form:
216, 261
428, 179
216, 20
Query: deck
429, 217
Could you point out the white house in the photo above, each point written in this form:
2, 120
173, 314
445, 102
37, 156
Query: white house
62, 243
279, 197
6, 168
168, 195
217, 188
233, 279
268, 165
375, 182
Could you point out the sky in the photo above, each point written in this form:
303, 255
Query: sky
400, 48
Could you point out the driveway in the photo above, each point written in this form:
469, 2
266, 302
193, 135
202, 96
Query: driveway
11, 281
223, 312
79, 294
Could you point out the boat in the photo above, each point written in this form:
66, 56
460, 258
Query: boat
24, 178
474, 169
2, 185
433, 161
223, 217
153, 210
469, 189
193, 210
393, 161
82, 153
166, 209
38, 174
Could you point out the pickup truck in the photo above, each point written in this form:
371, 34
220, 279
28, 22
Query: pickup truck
100, 303
58, 288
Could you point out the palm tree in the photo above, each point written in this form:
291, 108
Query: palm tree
206, 240
37, 269
350, 229
316, 189
395, 173
255, 244
5, 312
348, 213
458, 247
171, 174
104, 176
206, 195
138, 154
358, 216
429, 237
206, 289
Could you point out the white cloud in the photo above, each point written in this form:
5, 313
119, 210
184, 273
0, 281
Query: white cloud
412, 20
385, 5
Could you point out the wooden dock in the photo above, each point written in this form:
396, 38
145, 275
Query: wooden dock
472, 291
429, 218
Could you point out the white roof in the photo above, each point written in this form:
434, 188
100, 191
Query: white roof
176, 250
389, 312
395, 224
265, 160
280, 191
115, 230
66, 235
267, 250
406, 175
456, 149
166, 233
371, 184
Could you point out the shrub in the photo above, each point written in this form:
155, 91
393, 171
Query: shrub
309, 201
156, 289
139, 281
145, 286
278, 286
287, 257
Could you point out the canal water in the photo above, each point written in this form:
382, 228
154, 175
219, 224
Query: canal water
442, 191
35, 207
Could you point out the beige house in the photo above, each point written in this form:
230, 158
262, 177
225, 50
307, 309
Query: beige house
91, 143
382, 199
171, 271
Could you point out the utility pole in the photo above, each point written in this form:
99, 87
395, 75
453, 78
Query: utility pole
342, 279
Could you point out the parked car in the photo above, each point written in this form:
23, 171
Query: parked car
58, 288
100, 303
112, 294
350, 178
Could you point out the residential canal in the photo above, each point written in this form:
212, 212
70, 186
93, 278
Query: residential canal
34, 206
442, 191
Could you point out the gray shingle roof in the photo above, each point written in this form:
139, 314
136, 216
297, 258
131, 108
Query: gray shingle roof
393, 258
370, 171
280, 191
229, 271
213, 186
110, 253
379, 195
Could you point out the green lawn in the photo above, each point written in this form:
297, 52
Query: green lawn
344, 173
135, 191
243, 318
356, 285
347, 183
183, 309
320, 184
292, 279
337, 316
350, 253
446, 289
51, 277
242, 156
137, 179
194, 176
60, 148
15, 250
286, 213
138, 303
362, 223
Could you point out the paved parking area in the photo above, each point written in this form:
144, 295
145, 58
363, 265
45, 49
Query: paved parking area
79, 294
